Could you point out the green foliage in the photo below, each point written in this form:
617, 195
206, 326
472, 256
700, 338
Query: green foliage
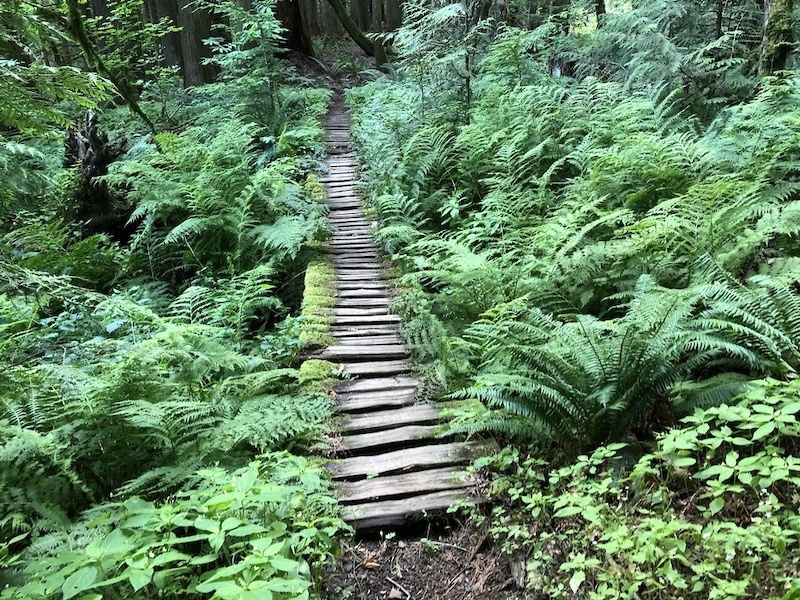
128, 42
709, 513
579, 250
204, 204
262, 531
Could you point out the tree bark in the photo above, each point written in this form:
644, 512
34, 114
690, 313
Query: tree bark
776, 42
599, 10
298, 38
310, 10
377, 16
195, 27
394, 14
366, 44
359, 10
170, 43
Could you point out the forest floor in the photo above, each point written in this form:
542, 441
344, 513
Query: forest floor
440, 562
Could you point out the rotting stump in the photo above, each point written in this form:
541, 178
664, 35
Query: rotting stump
390, 467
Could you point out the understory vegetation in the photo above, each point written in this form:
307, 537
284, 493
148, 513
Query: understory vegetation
596, 223
157, 431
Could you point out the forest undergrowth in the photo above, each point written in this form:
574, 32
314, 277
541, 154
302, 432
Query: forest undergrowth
158, 431
597, 233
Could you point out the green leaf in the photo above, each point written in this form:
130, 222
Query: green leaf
287, 565
578, 577
763, 431
291, 586
79, 581
139, 578
716, 505
568, 511
247, 530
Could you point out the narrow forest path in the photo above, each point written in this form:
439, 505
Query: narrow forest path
391, 467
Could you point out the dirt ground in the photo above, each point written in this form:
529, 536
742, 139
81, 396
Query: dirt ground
445, 561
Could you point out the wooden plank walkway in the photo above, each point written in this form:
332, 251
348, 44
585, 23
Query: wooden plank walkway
390, 467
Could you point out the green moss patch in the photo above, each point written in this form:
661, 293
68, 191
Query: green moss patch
319, 298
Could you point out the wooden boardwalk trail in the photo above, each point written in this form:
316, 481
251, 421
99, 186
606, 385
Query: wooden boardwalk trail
389, 467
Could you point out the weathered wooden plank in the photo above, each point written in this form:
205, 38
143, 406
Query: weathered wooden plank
391, 339
346, 213
352, 286
343, 352
364, 330
360, 275
344, 302
405, 484
393, 513
352, 241
340, 252
358, 238
343, 265
362, 265
360, 312
348, 223
371, 385
389, 437
343, 247
360, 292
417, 414
363, 402
357, 256
377, 368
368, 320
411, 459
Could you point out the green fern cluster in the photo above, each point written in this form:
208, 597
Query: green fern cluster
601, 244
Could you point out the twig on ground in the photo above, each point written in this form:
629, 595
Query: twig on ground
400, 587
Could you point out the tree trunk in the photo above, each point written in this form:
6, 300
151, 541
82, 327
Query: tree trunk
776, 42
377, 16
195, 27
394, 14
170, 44
720, 15
311, 11
359, 10
366, 44
599, 10
297, 35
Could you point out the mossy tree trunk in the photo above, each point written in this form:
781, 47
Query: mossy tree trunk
777, 40
359, 37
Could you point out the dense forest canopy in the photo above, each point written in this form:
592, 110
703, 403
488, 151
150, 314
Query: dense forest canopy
592, 209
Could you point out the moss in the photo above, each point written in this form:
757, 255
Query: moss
314, 188
777, 40
319, 298
315, 373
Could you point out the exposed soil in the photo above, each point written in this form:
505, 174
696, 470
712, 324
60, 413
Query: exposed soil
443, 562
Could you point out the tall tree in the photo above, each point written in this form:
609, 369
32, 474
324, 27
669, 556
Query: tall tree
394, 14
195, 25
